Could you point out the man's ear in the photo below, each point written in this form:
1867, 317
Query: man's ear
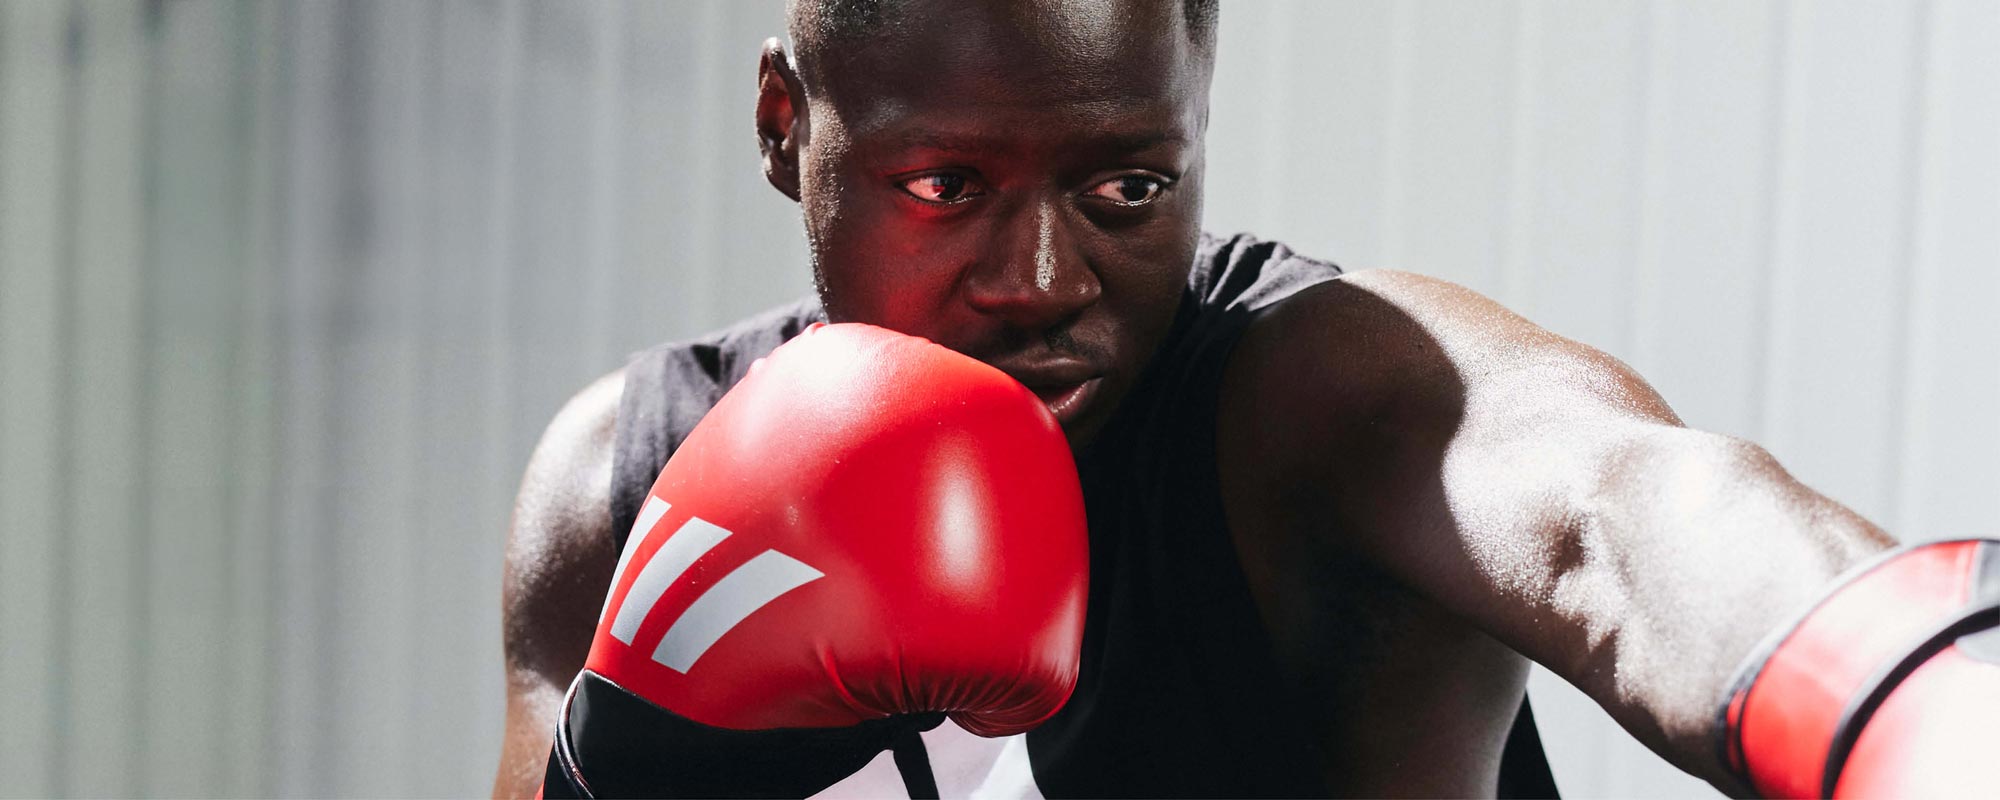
781, 117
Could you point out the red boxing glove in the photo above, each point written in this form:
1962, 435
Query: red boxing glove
1889, 686
868, 525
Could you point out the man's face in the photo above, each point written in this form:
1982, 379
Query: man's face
1018, 181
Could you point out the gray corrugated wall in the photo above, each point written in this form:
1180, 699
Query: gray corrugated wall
288, 289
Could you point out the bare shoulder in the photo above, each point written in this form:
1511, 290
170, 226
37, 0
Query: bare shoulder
1411, 347
559, 557
1365, 384
561, 548
1339, 359
1394, 321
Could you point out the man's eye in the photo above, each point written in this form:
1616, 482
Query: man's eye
1129, 190
943, 187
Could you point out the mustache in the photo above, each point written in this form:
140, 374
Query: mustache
1061, 340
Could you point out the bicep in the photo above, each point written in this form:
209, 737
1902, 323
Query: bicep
560, 554
1544, 488
1541, 490
1430, 411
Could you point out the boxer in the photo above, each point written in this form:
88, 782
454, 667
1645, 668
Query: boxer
1331, 516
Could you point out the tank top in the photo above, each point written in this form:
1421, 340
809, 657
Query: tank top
1178, 695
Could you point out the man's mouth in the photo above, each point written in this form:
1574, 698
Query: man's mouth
1067, 385
1068, 400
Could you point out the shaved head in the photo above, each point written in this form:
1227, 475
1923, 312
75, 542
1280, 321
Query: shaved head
821, 30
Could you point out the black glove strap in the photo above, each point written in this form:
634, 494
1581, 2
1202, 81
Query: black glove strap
620, 745
560, 780
914, 763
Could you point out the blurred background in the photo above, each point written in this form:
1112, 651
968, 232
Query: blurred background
288, 290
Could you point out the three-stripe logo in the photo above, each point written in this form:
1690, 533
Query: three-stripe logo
716, 611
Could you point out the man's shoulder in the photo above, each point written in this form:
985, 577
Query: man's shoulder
1397, 332
560, 549
1384, 364
1323, 368
1363, 330
570, 464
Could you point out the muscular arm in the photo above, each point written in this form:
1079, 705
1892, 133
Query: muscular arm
559, 560
1537, 488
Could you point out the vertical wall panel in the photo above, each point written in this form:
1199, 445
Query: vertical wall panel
1330, 151
304, 699
1447, 183
1701, 298
759, 255
1252, 101
549, 244
36, 115
1582, 182
699, 95
107, 377
602, 213
251, 676
1949, 436
1319, 142
196, 217
467, 485
503, 448
375, 344
653, 295
661, 277
1838, 294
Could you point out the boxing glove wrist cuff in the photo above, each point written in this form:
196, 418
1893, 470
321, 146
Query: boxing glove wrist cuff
613, 743
1797, 707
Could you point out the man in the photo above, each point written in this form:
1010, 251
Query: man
1332, 517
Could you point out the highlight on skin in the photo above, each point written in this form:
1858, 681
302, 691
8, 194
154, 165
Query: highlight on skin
1045, 254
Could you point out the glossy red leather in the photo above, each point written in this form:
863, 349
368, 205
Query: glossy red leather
1935, 736
1788, 718
940, 500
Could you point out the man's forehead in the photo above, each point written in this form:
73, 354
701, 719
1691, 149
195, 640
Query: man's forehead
852, 20
970, 76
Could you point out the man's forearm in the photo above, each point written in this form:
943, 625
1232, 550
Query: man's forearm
1717, 546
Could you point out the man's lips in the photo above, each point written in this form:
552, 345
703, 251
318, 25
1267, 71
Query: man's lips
1067, 401
1066, 385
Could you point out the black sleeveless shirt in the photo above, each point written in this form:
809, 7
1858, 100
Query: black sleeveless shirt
1179, 695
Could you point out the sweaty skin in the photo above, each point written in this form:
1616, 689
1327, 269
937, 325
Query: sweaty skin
1425, 490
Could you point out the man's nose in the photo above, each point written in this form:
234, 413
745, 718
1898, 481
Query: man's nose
1034, 278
